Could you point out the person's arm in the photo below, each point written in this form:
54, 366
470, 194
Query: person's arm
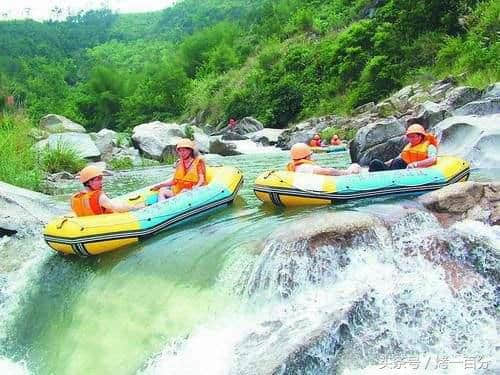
163, 184
329, 171
116, 205
201, 174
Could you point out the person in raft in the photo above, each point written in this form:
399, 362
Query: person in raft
420, 152
335, 141
93, 200
315, 141
303, 163
189, 173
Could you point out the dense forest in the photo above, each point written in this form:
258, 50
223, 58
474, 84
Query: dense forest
279, 61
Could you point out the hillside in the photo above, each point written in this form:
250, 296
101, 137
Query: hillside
278, 61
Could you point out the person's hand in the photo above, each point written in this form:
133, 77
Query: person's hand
157, 187
412, 165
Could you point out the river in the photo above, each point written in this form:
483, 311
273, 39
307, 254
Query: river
188, 301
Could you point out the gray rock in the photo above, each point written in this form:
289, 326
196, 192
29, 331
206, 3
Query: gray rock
105, 140
248, 125
429, 114
455, 198
460, 96
222, 148
155, 139
233, 136
440, 89
476, 139
368, 107
60, 124
492, 91
266, 136
371, 138
82, 144
26, 212
480, 108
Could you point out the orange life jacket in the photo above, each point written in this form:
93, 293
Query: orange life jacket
291, 167
411, 154
86, 203
186, 179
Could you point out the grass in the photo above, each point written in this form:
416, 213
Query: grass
19, 164
61, 158
121, 163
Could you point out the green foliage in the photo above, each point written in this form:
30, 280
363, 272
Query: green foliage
189, 132
19, 162
61, 158
478, 53
344, 134
121, 163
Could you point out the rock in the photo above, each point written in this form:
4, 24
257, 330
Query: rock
222, 148
38, 134
371, 8
25, 211
455, 198
248, 125
60, 124
368, 107
492, 91
80, 143
105, 140
60, 176
440, 89
480, 108
429, 114
129, 152
155, 139
266, 136
233, 136
381, 139
201, 139
476, 139
460, 96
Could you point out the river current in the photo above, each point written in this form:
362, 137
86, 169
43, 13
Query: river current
208, 297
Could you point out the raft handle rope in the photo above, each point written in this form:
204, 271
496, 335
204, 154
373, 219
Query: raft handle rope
135, 221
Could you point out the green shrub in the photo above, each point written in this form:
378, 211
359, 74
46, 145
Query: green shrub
344, 134
121, 163
61, 158
19, 163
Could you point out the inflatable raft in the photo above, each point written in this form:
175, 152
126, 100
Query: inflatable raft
91, 235
295, 189
338, 148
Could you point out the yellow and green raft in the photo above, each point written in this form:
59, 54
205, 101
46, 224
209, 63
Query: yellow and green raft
296, 189
92, 235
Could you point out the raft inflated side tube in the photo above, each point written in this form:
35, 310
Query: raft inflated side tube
328, 149
283, 188
91, 235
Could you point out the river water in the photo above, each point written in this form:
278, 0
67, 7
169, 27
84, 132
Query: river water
192, 300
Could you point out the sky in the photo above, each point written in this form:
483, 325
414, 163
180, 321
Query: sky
41, 9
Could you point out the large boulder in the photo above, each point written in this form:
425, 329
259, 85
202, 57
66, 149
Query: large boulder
60, 124
480, 107
266, 136
465, 200
105, 140
155, 139
382, 140
492, 91
248, 125
24, 212
476, 139
429, 114
217, 146
81, 143
459, 96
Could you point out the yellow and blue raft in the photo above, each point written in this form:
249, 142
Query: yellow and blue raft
92, 235
283, 188
329, 149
